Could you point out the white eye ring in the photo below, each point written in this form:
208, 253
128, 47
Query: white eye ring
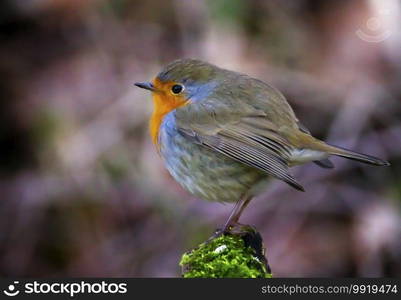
177, 88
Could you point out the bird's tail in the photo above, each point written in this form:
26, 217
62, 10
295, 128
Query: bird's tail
306, 141
368, 159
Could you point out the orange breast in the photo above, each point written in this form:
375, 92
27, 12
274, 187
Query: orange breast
164, 102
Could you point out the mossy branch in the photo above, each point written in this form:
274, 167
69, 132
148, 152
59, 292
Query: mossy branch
237, 254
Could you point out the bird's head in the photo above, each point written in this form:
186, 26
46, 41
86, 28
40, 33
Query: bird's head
179, 83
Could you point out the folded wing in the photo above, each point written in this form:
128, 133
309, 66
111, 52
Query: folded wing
244, 134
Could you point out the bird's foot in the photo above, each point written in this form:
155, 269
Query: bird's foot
231, 228
218, 233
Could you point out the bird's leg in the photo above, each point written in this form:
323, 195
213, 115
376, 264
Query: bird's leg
236, 213
232, 220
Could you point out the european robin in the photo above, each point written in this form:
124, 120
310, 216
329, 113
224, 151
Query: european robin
222, 133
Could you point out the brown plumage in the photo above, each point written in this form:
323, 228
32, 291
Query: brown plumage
230, 131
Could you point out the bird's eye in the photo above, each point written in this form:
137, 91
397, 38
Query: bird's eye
177, 88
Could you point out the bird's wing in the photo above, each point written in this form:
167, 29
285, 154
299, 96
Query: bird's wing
242, 132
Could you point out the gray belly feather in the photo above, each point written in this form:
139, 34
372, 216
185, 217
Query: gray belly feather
206, 174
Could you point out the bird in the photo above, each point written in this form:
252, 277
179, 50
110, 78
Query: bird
223, 134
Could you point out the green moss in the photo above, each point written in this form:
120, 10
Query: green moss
224, 257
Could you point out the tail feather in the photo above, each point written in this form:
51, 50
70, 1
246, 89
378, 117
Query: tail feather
324, 163
368, 159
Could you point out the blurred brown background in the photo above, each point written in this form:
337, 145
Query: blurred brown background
82, 190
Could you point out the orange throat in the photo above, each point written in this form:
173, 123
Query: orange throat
163, 102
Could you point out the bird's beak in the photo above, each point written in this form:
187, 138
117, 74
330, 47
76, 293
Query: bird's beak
146, 85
